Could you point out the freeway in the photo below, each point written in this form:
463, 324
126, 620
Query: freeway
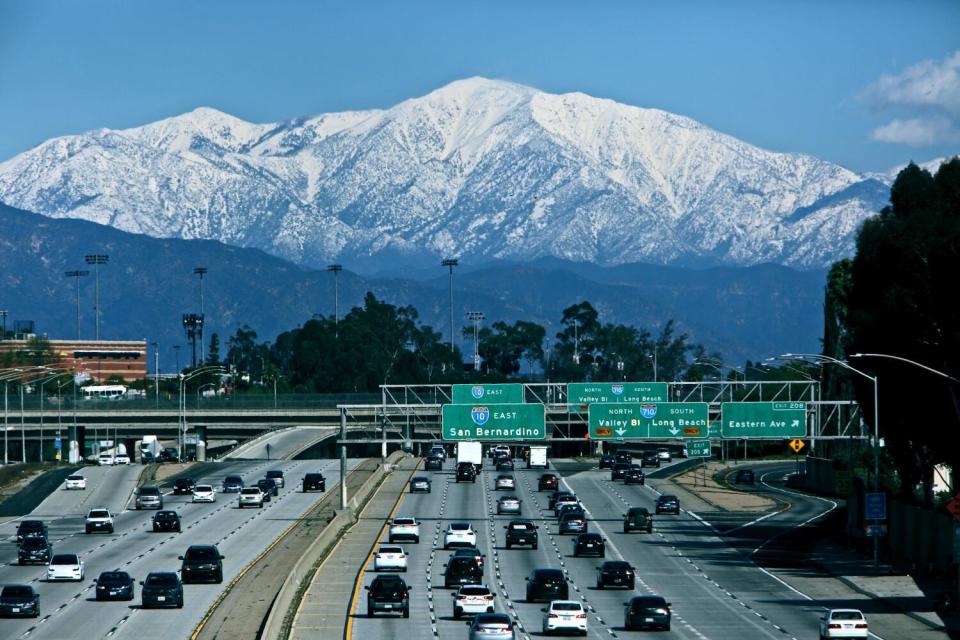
285, 443
715, 591
240, 534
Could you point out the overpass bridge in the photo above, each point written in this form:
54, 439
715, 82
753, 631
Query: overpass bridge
406, 413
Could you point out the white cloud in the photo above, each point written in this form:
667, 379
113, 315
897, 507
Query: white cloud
933, 84
917, 132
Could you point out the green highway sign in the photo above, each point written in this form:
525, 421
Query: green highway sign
582, 394
659, 420
763, 419
493, 422
698, 449
488, 393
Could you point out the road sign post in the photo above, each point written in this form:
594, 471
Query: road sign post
581, 395
763, 419
648, 420
494, 422
487, 393
875, 506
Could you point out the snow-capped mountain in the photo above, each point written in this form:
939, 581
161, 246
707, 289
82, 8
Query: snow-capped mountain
477, 169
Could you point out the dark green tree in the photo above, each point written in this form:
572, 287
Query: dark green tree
213, 354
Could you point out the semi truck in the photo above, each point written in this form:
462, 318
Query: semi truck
150, 449
471, 452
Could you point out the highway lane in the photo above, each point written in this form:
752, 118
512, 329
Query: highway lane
283, 444
715, 591
240, 534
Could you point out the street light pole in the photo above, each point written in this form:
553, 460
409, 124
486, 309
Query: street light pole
156, 370
200, 271
451, 263
336, 269
477, 317
97, 260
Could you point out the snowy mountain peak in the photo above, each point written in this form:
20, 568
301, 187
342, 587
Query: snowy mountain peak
476, 169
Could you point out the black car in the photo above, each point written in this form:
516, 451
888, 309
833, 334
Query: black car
668, 504
31, 529
616, 573
420, 484
637, 519
232, 484
745, 476
202, 563
623, 456
166, 520
114, 585
161, 589
460, 571
521, 532
618, 470
433, 463
643, 612
544, 585
268, 488
19, 600
547, 482
504, 464
589, 544
466, 472
34, 550
314, 482
388, 593
650, 459
606, 461
634, 475
184, 486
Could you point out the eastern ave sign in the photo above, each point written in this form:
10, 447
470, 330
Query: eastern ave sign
494, 422
582, 394
763, 419
657, 420
488, 393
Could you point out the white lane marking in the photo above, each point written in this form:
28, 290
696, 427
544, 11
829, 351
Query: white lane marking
833, 505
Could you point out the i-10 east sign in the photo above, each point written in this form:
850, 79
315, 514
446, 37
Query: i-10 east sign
582, 394
493, 422
763, 419
487, 393
655, 420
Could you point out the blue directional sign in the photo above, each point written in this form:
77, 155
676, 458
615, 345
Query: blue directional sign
875, 506
57, 444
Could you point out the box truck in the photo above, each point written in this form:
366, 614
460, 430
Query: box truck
537, 458
150, 449
471, 452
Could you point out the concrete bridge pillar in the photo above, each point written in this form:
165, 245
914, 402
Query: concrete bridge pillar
201, 442
78, 443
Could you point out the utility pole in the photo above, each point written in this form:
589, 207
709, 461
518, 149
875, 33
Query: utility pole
200, 271
3, 316
477, 317
156, 370
70, 274
336, 269
451, 263
96, 260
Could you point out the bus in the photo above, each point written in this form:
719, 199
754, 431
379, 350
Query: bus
104, 392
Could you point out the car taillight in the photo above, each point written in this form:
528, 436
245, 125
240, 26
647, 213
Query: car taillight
833, 625
581, 616
630, 612
861, 625
489, 597
552, 615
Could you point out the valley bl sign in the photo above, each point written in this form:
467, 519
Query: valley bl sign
643, 420
582, 394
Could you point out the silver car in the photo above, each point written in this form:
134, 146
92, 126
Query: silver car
508, 504
491, 626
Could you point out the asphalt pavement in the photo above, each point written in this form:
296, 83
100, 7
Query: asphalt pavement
69, 608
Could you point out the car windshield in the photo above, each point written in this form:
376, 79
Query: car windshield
615, 565
161, 580
474, 591
649, 602
847, 615
566, 606
74, 477
470, 552
251, 492
202, 555
487, 619
233, 480
460, 566
114, 576
16, 591
65, 558
99, 513
34, 543
404, 521
459, 526
166, 515
274, 474
31, 525
391, 550
549, 575
200, 488
149, 491
313, 476
589, 537
385, 588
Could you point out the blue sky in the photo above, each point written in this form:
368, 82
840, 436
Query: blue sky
867, 84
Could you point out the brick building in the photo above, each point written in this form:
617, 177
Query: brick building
99, 359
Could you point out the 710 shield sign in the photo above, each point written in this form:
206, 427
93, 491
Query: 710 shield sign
493, 422
659, 420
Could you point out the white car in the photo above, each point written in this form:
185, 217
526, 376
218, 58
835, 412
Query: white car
204, 493
473, 598
404, 529
121, 458
75, 482
250, 497
390, 559
664, 454
508, 504
506, 483
65, 566
99, 519
459, 534
565, 615
105, 459
843, 623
